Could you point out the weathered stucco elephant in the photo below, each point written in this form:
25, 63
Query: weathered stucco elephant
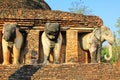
92, 41
11, 39
51, 40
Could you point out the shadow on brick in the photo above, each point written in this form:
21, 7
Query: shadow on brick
25, 72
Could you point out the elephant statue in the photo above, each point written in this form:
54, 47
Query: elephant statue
12, 41
51, 41
92, 41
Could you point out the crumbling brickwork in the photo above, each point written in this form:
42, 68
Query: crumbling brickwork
24, 4
60, 72
32, 42
32, 20
117, 64
72, 46
25, 17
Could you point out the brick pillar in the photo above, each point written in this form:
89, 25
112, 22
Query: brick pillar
72, 46
32, 45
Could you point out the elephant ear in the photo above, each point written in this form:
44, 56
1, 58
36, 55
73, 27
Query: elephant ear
97, 33
5, 25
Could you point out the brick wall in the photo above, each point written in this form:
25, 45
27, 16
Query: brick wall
60, 72
33, 21
31, 51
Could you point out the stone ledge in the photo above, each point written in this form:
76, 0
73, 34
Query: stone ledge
26, 17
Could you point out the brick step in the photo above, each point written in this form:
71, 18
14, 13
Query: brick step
60, 72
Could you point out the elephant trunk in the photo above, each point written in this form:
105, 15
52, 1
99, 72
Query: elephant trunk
110, 52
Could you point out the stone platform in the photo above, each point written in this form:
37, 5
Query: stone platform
63, 71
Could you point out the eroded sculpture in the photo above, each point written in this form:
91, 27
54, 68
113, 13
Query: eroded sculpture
51, 40
12, 41
92, 41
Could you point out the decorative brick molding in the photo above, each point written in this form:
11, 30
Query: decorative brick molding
26, 17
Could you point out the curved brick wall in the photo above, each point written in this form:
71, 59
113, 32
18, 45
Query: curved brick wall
24, 4
60, 72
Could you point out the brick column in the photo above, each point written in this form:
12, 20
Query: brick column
72, 46
31, 57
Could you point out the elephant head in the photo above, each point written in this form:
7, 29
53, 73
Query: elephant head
52, 31
104, 34
9, 31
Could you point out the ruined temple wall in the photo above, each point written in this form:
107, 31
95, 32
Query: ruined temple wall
32, 53
32, 23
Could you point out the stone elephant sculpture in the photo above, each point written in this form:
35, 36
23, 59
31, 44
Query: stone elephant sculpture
92, 41
51, 40
12, 41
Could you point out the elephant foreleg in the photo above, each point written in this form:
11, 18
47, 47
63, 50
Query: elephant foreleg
93, 54
93, 58
46, 51
17, 47
6, 57
16, 55
56, 55
57, 52
6, 52
99, 54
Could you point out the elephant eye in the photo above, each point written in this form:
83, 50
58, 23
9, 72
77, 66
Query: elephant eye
49, 33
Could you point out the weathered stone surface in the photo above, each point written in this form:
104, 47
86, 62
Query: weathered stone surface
31, 51
24, 4
72, 46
